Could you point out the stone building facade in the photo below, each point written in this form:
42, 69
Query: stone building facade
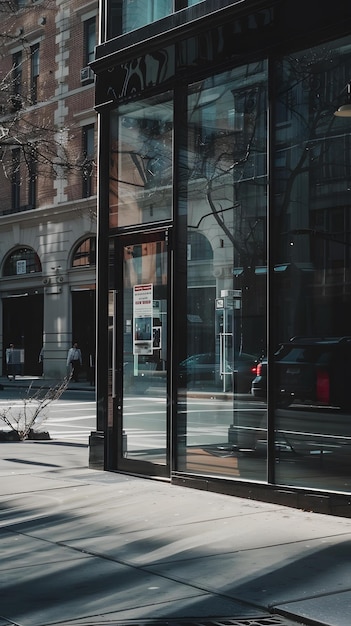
48, 142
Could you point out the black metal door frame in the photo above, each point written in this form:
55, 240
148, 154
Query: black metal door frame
135, 466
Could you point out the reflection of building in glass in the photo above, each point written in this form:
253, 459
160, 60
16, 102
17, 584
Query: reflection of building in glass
228, 191
141, 163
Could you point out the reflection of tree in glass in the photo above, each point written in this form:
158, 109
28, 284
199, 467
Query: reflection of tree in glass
227, 131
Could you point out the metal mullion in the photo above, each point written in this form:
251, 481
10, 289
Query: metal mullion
270, 274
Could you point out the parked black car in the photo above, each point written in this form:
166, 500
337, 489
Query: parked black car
309, 369
204, 369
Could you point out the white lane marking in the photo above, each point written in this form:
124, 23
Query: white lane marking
59, 420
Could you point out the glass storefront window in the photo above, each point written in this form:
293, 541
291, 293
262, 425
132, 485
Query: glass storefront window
141, 162
260, 161
313, 270
224, 189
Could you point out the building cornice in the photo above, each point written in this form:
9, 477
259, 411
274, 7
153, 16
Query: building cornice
89, 7
66, 210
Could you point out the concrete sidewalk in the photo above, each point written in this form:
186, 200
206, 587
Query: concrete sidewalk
84, 547
39, 382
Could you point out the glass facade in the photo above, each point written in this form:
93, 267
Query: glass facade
312, 252
125, 16
137, 13
224, 170
141, 162
230, 227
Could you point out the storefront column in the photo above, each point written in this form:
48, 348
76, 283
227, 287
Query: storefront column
56, 338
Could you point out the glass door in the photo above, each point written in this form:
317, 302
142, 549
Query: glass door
140, 344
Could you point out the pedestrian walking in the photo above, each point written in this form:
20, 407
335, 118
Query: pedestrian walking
41, 360
74, 360
91, 369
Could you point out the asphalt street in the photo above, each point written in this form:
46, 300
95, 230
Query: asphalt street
70, 418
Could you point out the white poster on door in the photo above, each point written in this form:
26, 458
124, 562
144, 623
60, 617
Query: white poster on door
142, 315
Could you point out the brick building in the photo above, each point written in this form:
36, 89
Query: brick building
47, 181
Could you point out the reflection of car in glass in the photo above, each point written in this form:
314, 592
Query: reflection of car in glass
205, 369
309, 369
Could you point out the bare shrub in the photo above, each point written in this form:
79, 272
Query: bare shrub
30, 412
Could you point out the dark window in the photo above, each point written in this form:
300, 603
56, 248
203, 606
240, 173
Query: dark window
89, 40
20, 4
88, 159
17, 73
85, 253
34, 72
16, 178
22, 261
115, 18
16, 85
329, 237
32, 180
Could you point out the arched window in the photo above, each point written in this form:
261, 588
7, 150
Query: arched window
21, 261
85, 253
199, 248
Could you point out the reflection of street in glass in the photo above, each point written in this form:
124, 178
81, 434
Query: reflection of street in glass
143, 335
309, 431
310, 370
205, 370
143, 347
143, 328
213, 429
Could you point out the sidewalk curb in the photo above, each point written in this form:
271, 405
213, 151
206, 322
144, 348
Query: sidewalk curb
26, 382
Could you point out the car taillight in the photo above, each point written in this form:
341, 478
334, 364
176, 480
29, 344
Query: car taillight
258, 369
323, 386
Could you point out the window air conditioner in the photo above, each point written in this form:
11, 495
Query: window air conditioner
86, 73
